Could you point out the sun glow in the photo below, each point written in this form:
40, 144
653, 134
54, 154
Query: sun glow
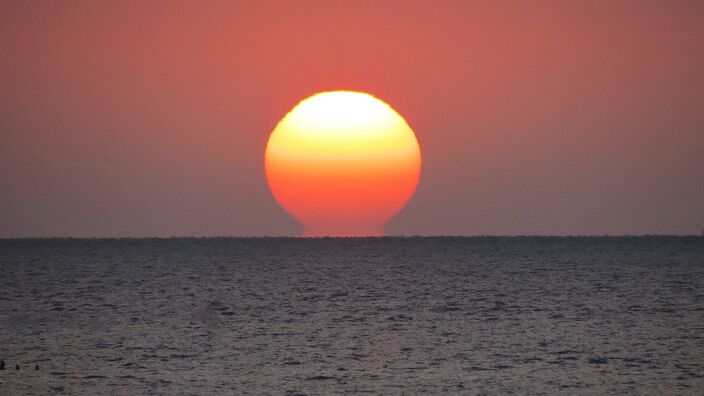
342, 163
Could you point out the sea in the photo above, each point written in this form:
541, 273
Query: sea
324, 316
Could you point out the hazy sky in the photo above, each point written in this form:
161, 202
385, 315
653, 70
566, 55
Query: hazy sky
151, 118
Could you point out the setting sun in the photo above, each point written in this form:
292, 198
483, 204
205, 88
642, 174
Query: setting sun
342, 163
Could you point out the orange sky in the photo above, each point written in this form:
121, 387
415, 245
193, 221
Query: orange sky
552, 117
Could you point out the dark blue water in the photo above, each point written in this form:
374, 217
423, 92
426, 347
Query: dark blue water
378, 315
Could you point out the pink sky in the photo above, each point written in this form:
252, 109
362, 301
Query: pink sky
554, 117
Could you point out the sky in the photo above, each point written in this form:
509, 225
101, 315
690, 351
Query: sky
131, 118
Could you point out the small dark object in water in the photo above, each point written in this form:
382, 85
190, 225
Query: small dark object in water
598, 360
17, 367
319, 378
2, 365
36, 367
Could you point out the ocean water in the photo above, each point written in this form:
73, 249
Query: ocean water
375, 315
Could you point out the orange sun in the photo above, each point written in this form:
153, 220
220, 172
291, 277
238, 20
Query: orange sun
342, 163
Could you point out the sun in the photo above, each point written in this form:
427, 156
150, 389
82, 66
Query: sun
342, 163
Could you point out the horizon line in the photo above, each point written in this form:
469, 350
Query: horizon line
449, 236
